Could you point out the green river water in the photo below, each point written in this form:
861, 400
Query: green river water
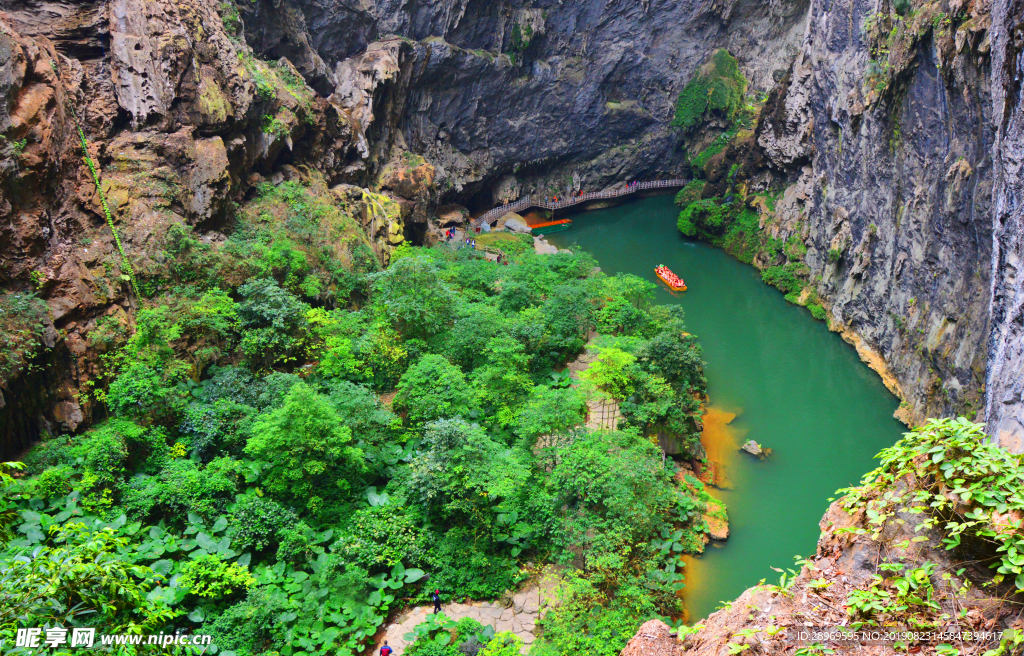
794, 386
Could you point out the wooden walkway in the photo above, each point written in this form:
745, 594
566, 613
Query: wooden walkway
525, 202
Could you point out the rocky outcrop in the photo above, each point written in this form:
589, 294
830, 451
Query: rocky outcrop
769, 619
1005, 383
654, 638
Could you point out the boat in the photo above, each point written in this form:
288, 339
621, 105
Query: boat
674, 282
550, 226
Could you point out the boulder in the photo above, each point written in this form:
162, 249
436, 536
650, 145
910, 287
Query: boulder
514, 222
718, 528
542, 247
753, 448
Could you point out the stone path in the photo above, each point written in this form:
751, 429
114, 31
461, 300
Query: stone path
602, 414
519, 615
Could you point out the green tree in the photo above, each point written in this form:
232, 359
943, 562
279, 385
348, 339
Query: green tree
8, 507
609, 374
503, 381
413, 297
609, 490
631, 287
431, 389
463, 469
304, 449
569, 314
151, 384
274, 322
505, 643
550, 410
676, 356
589, 620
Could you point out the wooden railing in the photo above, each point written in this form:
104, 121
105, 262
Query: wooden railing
491, 216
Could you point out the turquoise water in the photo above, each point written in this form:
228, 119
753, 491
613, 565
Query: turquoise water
794, 386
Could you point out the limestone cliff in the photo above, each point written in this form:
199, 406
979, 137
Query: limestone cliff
507, 97
1005, 399
885, 124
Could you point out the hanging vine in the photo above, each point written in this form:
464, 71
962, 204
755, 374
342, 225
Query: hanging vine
126, 265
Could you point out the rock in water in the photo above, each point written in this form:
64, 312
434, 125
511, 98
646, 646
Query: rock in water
753, 448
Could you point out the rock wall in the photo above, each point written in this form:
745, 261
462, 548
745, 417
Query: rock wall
1005, 402
893, 189
557, 94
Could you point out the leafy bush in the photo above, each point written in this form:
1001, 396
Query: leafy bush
413, 297
743, 238
703, 218
505, 643
788, 278
22, 327
382, 535
613, 488
248, 627
690, 193
433, 388
257, 522
274, 321
50, 453
82, 579
550, 410
209, 576
183, 487
117, 446
588, 621
961, 483
304, 449
463, 568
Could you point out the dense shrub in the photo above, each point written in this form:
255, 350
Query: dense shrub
433, 388
304, 449
257, 522
788, 278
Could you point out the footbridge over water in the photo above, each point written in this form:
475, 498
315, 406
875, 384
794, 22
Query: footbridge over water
543, 202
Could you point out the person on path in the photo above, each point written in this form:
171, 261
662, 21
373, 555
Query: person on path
436, 598
385, 650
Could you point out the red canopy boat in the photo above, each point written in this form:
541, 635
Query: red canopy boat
674, 282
